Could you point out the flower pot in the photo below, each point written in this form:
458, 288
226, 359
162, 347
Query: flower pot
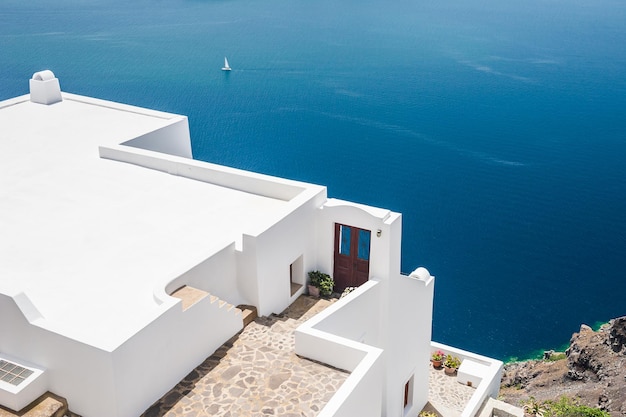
436, 364
449, 371
314, 291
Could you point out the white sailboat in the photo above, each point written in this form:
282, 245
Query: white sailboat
226, 66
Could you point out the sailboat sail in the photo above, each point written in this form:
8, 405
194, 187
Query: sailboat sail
226, 66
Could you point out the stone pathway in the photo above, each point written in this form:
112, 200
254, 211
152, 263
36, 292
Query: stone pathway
257, 374
446, 396
48, 405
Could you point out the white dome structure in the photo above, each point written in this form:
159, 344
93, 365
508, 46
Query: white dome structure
420, 273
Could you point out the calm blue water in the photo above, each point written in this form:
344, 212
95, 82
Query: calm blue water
497, 129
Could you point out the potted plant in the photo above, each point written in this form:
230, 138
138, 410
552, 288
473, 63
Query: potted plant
326, 285
321, 284
314, 282
451, 364
437, 359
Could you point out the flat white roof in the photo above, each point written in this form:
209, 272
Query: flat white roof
87, 239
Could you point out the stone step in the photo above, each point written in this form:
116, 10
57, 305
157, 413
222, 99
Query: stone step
48, 405
189, 295
248, 313
221, 303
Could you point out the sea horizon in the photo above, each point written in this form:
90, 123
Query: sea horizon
497, 130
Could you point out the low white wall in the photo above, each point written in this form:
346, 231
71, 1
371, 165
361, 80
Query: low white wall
499, 408
155, 359
490, 383
250, 182
128, 380
360, 394
79, 372
357, 319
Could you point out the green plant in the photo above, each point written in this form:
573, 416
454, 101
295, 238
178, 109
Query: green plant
326, 287
322, 281
428, 414
452, 362
569, 407
437, 355
533, 407
315, 277
556, 357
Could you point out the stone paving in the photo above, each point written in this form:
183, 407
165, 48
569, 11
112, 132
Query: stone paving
257, 374
446, 396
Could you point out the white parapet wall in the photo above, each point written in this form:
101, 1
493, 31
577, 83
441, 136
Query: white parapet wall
482, 369
236, 179
408, 335
499, 408
360, 394
164, 352
147, 365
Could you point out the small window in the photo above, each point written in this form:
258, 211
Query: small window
12, 373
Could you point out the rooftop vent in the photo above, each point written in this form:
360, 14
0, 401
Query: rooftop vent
45, 88
12, 373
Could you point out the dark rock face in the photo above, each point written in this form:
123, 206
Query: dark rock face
617, 335
594, 371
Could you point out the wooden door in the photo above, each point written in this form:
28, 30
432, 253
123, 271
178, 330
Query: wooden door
352, 256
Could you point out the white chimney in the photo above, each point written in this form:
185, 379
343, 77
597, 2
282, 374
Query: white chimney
45, 88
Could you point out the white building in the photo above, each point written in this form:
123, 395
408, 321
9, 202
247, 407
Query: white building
104, 215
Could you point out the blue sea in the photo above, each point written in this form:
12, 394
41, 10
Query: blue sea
497, 128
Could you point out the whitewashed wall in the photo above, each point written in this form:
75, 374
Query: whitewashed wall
217, 275
127, 381
156, 358
384, 250
247, 270
292, 236
68, 361
333, 337
357, 317
407, 348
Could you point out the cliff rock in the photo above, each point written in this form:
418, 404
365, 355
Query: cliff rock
594, 370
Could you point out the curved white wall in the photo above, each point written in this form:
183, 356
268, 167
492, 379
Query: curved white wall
217, 275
